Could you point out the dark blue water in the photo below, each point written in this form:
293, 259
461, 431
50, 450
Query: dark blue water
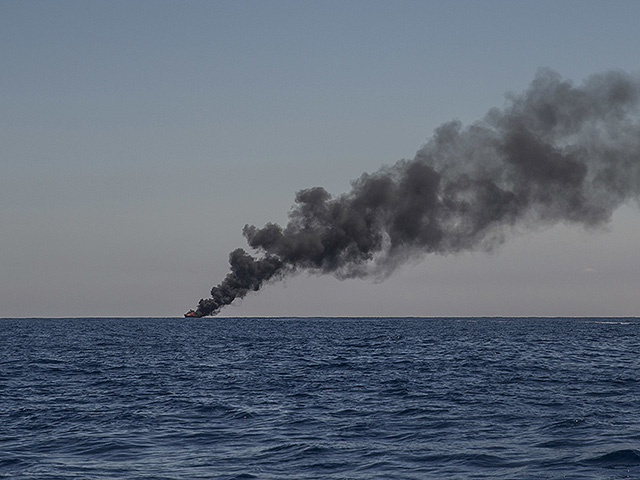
319, 398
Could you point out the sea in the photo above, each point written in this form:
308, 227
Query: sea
320, 398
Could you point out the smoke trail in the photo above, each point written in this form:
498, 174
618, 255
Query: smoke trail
556, 153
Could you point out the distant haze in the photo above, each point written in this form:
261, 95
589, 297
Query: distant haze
139, 138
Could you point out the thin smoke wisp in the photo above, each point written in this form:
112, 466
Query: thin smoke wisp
558, 152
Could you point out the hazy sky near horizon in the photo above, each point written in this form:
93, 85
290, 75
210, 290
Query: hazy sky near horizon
138, 138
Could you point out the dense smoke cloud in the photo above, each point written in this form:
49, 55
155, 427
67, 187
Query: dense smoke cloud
556, 153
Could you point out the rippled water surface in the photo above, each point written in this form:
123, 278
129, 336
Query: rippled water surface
338, 398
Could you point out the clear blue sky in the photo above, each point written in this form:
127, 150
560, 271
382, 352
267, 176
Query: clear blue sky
138, 138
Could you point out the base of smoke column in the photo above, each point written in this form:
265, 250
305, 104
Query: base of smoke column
193, 314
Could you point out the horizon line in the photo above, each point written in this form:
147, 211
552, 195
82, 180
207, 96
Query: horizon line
321, 316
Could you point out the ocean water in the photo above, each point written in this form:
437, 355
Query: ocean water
320, 398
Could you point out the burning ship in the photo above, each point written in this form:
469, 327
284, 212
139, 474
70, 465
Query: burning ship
192, 314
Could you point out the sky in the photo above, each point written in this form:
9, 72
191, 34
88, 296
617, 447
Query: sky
138, 138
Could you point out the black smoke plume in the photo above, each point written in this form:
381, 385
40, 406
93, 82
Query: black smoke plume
556, 153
